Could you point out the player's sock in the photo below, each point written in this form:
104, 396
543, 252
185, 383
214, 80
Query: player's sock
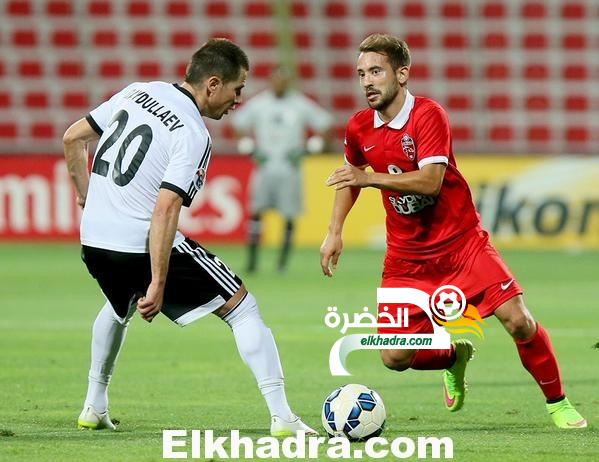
258, 350
538, 357
287, 240
426, 360
108, 336
255, 230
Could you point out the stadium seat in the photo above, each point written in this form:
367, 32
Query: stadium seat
262, 70
457, 71
180, 68
413, 10
183, 39
306, 70
573, 11
111, 69
342, 71
535, 41
36, 100
262, 39
375, 10
420, 71
455, 40
76, 100
495, 40
576, 103
494, 10
65, 38
300, 9
577, 134
336, 9
454, 10
218, 8
537, 103
416, 40
499, 102
19, 8
5, 99
2, 68
339, 40
257, 9
44, 130
574, 41
24, 38
538, 133
59, 8
462, 102
575, 72
501, 133
105, 38
534, 10
497, 71
99, 8
8, 130
70, 69
149, 70
461, 132
31, 69
344, 101
303, 39
139, 8
538, 71
178, 8
143, 38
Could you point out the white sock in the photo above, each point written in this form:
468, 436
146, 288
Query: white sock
108, 335
258, 350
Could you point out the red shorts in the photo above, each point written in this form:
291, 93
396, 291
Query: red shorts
475, 267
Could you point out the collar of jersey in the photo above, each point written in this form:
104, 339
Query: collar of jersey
188, 94
402, 116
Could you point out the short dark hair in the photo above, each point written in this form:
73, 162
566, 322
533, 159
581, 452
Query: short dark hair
395, 49
218, 56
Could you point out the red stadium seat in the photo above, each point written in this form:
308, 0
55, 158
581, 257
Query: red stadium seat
494, 10
218, 8
100, 8
535, 41
139, 8
65, 38
59, 8
144, 38
577, 134
501, 133
538, 133
375, 10
574, 11
106, 38
262, 39
180, 68
336, 9
5, 99
496, 40
2, 68
19, 8
344, 101
111, 69
76, 99
576, 72
459, 102
31, 69
461, 133
420, 71
574, 41
306, 70
339, 40
36, 100
44, 130
70, 69
303, 39
499, 102
538, 71
300, 9
455, 40
454, 10
414, 10
497, 71
576, 103
262, 70
149, 69
417, 40
8, 130
459, 71
534, 10
183, 39
25, 38
258, 9
537, 103
342, 71
178, 8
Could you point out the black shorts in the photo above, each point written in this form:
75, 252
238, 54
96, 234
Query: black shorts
197, 283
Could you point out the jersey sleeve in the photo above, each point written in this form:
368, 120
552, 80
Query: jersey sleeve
433, 137
353, 155
186, 170
99, 117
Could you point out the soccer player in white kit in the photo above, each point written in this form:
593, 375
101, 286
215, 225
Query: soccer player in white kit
152, 158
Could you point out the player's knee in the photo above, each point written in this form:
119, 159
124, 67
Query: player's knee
520, 324
397, 360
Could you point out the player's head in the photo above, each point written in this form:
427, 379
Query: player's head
280, 80
383, 67
218, 71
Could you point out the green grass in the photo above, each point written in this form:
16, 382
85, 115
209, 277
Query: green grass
192, 378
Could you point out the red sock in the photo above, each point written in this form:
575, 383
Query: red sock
539, 359
427, 360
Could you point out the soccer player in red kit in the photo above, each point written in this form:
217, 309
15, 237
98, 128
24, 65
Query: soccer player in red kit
434, 235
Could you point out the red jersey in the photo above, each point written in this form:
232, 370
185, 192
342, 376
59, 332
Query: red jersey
418, 226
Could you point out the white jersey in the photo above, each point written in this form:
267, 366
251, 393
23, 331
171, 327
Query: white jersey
152, 137
279, 124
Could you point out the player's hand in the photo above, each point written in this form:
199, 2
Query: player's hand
330, 251
347, 176
150, 305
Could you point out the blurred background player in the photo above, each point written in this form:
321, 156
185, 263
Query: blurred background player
272, 127
434, 234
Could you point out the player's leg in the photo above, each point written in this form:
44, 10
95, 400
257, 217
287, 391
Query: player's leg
261, 200
255, 232
286, 247
289, 203
539, 359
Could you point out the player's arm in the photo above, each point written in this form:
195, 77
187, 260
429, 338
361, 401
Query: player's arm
426, 181
162, 234
75, 142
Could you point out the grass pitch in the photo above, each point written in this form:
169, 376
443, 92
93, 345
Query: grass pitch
192, 378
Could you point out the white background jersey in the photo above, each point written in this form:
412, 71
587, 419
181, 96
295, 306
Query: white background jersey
152, 137
279, 124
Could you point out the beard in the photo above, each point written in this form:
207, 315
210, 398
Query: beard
386, 98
